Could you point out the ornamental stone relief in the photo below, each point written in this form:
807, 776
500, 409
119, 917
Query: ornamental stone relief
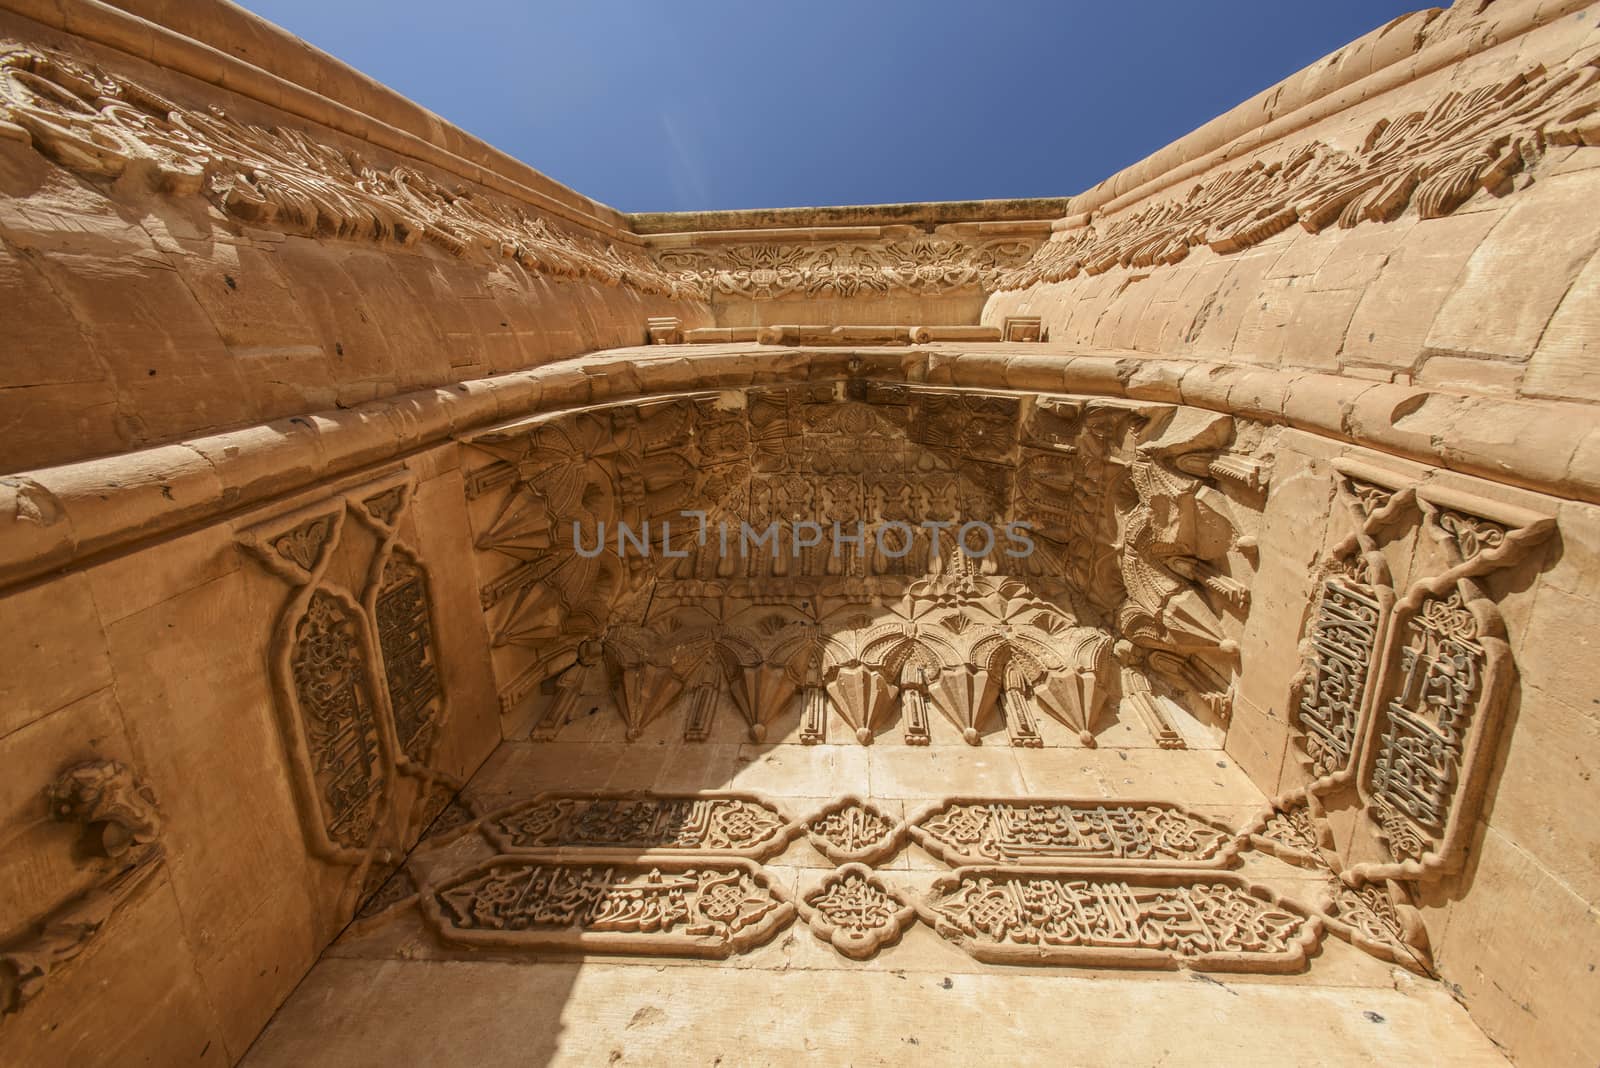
1055, 832
120, 845
1210, 922
103, 125
1433, 158
1084, 884
699, 907
356, 673
922, 265
856, 912
1406, 667
890, 555
736, 825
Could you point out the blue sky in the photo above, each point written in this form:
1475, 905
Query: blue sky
678, 105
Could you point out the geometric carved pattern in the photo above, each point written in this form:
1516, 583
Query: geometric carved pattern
856, 912
1053, 832
734, 825
1205, 921
699, 907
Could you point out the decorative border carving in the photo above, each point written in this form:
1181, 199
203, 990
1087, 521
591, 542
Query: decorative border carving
925, 265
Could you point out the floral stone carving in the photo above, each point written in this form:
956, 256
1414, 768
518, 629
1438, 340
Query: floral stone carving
1433, 158
120, 831
100, 124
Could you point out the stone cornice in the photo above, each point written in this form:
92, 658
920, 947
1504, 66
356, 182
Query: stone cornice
62, 516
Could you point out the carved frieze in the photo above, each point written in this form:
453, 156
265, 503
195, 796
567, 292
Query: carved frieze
856, 912
1050, 832
923, 265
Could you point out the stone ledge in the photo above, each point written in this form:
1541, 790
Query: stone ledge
62, 515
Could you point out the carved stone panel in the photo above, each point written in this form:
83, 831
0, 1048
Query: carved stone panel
856, 912
361, 700
667, 906
405, 636
734, 825
852, 830
327, 661
1209, 922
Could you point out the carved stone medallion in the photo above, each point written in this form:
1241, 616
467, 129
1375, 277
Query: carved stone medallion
852, 830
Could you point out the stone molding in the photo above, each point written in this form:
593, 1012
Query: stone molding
63, 515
